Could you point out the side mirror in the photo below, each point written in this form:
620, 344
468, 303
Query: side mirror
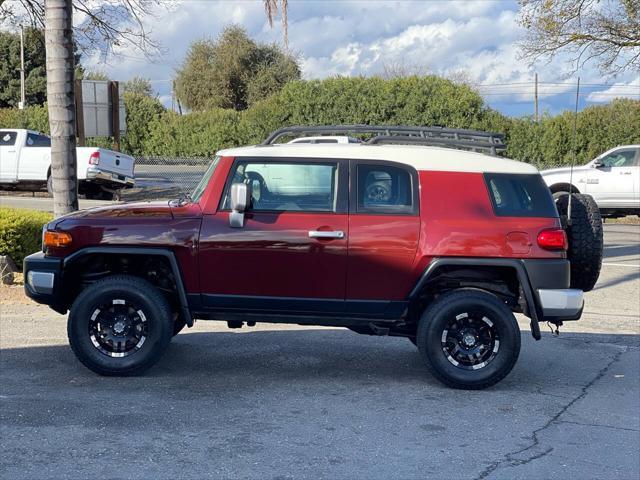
240, 198
597, 164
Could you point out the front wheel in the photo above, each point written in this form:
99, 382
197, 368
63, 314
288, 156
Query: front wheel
120, 325
469, 339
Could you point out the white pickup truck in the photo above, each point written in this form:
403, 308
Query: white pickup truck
25, 162
612, 179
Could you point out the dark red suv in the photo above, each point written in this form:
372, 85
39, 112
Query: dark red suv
432, 243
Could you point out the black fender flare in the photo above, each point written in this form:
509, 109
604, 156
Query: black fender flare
146, 251
521, 273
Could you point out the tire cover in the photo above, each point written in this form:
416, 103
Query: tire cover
585, 236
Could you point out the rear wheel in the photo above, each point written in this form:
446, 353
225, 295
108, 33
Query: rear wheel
95, 192
585, 236
120, 325
469, 339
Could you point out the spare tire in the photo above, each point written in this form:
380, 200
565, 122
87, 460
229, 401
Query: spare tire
584, 231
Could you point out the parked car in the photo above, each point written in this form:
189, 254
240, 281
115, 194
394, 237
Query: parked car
612, 179
438, 245
25, 162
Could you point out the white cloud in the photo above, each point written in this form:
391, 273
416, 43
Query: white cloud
617, 90
475, 38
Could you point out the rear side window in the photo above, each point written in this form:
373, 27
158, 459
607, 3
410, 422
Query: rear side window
34, 140
384, 189
7, 138
515, 195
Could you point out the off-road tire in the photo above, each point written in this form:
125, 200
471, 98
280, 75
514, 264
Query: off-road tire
436, 318
585, 236
140, 292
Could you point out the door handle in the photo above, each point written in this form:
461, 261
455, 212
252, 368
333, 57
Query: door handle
323, 234
625, 173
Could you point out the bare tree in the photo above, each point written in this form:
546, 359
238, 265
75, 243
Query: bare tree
604, 31
271, 8
402, 69
106, 24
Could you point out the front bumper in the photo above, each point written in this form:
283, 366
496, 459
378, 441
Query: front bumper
109, 177
43, 280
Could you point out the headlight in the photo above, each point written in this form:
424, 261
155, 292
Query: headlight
56, 239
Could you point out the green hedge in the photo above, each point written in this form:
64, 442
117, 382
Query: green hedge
428, 100
21, 232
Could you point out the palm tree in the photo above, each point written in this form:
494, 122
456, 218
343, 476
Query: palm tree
60, 99
271, 8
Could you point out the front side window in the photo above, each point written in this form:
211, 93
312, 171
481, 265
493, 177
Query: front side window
204, 181
621, 158
7, 139
34, 140
281, 186
384, 189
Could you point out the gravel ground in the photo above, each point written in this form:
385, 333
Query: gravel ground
298, 402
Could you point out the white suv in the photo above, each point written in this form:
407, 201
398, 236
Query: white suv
612, 179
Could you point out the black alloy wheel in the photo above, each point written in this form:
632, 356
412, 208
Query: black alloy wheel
119, 328
468, 338
120, 325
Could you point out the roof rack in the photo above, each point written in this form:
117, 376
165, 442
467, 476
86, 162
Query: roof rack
475, 140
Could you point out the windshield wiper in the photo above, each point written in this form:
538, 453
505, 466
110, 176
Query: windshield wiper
182, 200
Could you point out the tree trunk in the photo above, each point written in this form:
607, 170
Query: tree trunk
61, 102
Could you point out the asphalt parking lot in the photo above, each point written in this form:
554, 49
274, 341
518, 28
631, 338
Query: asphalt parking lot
293, 402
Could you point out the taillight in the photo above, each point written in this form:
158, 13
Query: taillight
94, 158
56, 239
553, 239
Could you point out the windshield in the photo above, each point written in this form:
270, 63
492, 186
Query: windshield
204, 181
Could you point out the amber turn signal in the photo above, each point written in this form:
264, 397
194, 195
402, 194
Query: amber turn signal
56, 239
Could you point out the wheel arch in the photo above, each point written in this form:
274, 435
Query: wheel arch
138, 253
563, 187
465, 263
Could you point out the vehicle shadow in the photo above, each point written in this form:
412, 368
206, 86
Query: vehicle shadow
629, 277
615, 251
200, 363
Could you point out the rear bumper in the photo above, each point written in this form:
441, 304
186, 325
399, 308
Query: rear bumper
561, 304
43, 280
96, 174
550, 281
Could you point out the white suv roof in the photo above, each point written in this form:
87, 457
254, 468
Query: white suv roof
325, 139
419, 157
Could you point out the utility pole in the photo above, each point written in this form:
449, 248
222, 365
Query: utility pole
535, 95
22, 103
173, 96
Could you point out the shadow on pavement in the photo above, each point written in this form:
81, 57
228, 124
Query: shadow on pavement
320, 404
283, 357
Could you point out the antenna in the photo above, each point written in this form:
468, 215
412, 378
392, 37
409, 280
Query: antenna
573, 147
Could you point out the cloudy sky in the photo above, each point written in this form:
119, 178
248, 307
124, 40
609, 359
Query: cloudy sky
474, 40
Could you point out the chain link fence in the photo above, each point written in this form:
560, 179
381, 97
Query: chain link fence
165, 177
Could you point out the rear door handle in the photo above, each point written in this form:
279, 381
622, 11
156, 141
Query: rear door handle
323, 234
625, 173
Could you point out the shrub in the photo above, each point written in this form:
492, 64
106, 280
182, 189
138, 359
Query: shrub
21, 232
